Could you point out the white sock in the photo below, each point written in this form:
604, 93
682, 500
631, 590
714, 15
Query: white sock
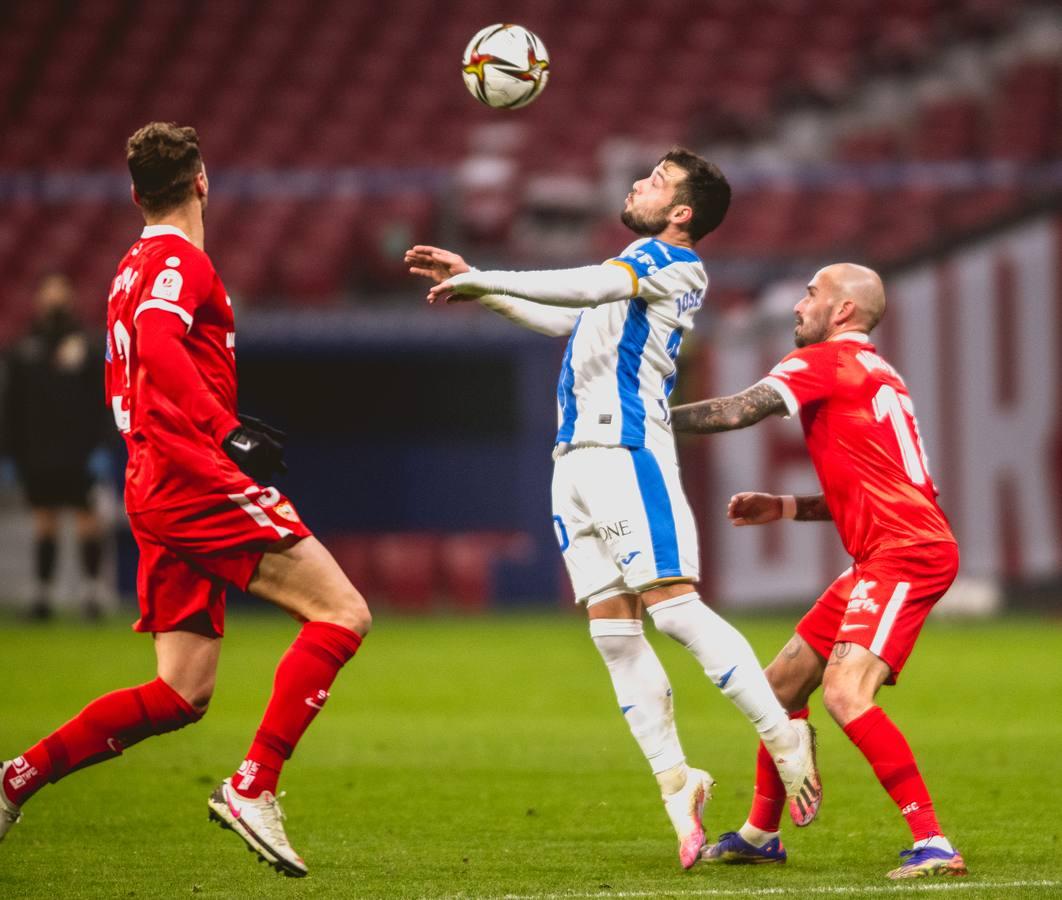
937, 842
643, 693
673, 780
731, 665
756, 836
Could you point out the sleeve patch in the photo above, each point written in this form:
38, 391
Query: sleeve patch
168, 285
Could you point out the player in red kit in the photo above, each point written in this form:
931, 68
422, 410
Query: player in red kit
861, 432
203, 514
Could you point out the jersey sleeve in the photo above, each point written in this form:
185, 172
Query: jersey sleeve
661, 272
180, 287
804, 376
170, 370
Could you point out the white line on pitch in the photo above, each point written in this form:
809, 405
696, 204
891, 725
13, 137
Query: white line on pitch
950, 885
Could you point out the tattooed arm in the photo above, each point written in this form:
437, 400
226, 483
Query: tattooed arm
812, 509
750, 508
727, 413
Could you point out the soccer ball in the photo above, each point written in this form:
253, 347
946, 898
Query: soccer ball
505, 66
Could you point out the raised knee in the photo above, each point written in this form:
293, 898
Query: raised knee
352, 612
842, 702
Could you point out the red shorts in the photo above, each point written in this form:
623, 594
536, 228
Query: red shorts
189, 553
881, 603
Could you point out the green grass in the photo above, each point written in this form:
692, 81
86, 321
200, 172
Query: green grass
485, 757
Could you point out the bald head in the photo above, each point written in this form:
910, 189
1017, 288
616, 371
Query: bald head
842, 297
862, 286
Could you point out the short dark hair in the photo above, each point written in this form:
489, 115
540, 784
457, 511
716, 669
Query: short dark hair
704, 189
163, 159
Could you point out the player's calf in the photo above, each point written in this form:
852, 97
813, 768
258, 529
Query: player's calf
101, 731
306, 581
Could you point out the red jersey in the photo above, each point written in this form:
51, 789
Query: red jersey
863, 438
171, 371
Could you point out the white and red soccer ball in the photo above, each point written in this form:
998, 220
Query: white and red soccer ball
505, 66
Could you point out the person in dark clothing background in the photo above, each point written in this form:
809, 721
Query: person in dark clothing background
53, 419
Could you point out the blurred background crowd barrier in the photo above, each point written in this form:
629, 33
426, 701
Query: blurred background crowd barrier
923, 137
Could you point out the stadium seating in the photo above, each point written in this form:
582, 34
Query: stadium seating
333, 85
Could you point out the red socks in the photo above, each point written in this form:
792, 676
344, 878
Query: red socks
300, 689
889, 754
102, 730
109, 724
768, 800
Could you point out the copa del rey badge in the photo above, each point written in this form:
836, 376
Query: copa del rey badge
286, 510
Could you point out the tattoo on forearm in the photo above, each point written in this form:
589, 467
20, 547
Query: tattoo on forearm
792, 649
728, 413
812, 509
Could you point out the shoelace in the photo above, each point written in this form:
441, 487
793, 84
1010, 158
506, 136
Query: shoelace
274, 824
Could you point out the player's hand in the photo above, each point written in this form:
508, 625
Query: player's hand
434, 263
754, 509
257, 448
458, 288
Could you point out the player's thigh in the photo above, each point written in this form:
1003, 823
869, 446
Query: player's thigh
795, 673
850, 680
818, 628
618, 606
188, 663
304, 579
594, 575
892, 597
641, 515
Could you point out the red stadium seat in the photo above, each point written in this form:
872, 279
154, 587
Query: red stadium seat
275, 84
949, 129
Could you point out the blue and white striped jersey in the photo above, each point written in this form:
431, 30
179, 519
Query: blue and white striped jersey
619, 367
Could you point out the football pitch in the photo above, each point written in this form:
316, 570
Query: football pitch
486, 757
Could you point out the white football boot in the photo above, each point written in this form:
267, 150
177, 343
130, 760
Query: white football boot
685, 808
9, 813
800, 775
260, 822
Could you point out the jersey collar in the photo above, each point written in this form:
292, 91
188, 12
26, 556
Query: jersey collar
151, 231
858, 336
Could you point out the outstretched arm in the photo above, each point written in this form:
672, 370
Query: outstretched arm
759, 509
440, 265
728, 413
574, 288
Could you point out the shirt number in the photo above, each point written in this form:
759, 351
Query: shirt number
122, 342
899, 410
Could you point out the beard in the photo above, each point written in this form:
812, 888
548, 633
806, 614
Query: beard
808, 333
646, 226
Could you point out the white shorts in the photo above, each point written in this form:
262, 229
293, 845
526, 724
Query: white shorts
622, 522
